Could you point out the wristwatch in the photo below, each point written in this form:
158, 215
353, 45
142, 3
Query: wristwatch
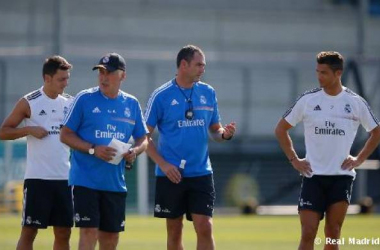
224, 138
91, 151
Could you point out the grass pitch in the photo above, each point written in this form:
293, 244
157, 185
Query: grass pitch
231, 232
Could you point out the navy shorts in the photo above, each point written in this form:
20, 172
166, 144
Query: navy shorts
47, 203
193, 195
321, 191
104, 210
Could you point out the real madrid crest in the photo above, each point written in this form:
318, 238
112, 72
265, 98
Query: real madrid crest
77, 217
106, 59
157, 208
65, 110
203, 99
347, 109
127, 112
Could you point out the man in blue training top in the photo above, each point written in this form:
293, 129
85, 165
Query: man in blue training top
97, 116
184, 110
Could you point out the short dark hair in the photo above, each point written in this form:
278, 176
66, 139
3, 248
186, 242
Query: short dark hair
53, 64
332, 58
187, 54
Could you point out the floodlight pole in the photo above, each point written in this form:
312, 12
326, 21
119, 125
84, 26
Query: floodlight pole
142, 185
247, 100
57, 32
362, 11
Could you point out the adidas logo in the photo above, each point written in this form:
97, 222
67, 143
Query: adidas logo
174, 102
317, 108
96, 110
42, 112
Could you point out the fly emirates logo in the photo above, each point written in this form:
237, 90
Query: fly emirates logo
191, 123
55, 130
329, 129
110, 133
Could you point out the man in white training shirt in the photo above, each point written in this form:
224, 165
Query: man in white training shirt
331, 115
47, 196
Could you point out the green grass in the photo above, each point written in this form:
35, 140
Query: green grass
231, 232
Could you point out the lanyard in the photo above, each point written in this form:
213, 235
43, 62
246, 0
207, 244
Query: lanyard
188, 99
189, 113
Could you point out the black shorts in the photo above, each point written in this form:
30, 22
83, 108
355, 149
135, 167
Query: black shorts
47, 203
104, 210
193, 195
321, 191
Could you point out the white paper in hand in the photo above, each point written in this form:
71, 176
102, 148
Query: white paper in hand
121, 148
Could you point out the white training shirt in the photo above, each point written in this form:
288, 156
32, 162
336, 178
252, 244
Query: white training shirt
47, 158
330, 126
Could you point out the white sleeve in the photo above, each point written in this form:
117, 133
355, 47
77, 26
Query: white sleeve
295, 113
366, 116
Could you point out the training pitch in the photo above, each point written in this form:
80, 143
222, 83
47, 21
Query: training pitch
231, 232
